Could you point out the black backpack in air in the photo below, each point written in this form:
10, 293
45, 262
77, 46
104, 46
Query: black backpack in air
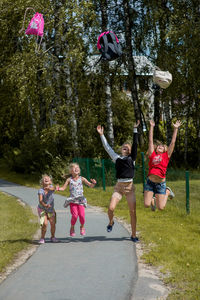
109, 46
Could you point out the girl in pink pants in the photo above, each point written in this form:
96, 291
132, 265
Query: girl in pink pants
77, 209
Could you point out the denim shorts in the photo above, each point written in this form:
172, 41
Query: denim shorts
155, 187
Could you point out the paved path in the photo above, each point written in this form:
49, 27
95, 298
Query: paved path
98, 266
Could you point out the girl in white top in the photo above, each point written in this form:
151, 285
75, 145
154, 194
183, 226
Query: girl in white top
77, 209
124, 165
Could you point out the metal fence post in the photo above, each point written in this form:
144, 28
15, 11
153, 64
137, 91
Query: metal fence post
143, 170
103, 175
187, 192
88, 168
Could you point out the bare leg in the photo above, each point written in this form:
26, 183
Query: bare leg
132, 209
53, 226
161, 200
72, 229
148, 195
113, 203
44, 228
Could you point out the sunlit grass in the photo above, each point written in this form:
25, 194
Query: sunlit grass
18, 225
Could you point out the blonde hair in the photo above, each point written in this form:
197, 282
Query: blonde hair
42, 179
158, 143
72, 165
155, 145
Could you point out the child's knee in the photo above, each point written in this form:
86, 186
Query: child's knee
111, 208
160, 207
44, 226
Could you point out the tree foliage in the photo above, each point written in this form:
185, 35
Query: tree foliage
52, 101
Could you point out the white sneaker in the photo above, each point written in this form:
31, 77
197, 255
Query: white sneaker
153, 206
171, 195
41, 241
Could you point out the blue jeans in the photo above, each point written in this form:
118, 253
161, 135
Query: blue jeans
156, 188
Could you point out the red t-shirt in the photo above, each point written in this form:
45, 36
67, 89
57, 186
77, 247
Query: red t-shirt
158, 164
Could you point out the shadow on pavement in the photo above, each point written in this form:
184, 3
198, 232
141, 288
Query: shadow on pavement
89, 239
4, 183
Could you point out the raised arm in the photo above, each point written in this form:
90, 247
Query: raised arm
90, 184
151, 145
173, 141
135, 141
62, 188
106, 146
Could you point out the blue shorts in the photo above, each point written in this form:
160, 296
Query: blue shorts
156, 188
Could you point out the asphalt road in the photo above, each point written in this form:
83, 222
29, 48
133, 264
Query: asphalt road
98, 266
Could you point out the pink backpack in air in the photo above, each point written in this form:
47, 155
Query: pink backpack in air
35, 27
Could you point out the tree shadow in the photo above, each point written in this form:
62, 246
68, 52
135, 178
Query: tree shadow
86, 239
5, 183
90, 239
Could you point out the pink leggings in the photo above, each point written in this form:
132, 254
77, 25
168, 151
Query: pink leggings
77, 211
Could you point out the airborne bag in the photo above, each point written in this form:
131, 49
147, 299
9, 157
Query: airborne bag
35, 26
109, 46
162, 78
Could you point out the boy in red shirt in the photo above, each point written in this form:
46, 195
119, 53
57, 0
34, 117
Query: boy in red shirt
159, 157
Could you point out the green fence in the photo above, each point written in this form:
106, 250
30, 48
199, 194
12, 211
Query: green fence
103, 170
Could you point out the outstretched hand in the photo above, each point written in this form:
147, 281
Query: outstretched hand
137, 124
177, 124
100, 129
93, 181
152, 123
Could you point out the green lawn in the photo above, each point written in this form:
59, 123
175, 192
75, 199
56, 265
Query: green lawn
18, 225
171, 237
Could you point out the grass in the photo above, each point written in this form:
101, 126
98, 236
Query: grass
171, 237
18, 225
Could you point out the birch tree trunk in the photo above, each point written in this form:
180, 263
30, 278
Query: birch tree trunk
107, 81
168, 120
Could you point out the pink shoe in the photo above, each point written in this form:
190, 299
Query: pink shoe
41, 241
72, 232
82, 231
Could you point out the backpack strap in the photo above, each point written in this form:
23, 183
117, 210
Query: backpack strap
25, 18
117, 47
105, 42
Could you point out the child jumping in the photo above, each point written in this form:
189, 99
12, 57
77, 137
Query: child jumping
77, 207
159, 157
124, 165
46, 209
